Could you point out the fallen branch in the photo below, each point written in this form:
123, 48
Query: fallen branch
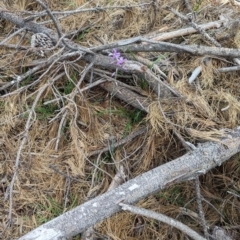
126, 95
205, 157
153, 46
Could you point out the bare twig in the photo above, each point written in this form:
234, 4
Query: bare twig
211, 39
90, 191
197, 27
66, 192
59, 31
154, 46
188, 6
200, 207
64, 111
88, 86
22, 144
11, 36
148, 63
120, 142
60, 127
96, 9
220, 234
162, 218
201, 30
118, 179
51, 61
107, 61
64, 174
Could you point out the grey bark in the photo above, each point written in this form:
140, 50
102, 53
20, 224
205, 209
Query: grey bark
205, 157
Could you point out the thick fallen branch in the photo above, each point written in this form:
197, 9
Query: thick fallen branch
205, 157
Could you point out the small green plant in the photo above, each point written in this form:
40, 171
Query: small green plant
45, 111
143, 84
78, 237
73, 201
107, 157
69, 84
26, 81
65, 131
2, 104
82, 34
197, 5
161, 57
48, 211
173, 196
134, 117
68, 87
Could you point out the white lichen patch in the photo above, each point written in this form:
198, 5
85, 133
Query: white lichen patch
134, 186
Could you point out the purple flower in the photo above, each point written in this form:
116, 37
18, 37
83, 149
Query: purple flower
115, 55
117, 58
120, 61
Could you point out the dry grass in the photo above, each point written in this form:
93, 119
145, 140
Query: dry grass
97, 119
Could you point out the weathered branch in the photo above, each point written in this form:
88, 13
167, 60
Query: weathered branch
191, 49
186, 31
205, 157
